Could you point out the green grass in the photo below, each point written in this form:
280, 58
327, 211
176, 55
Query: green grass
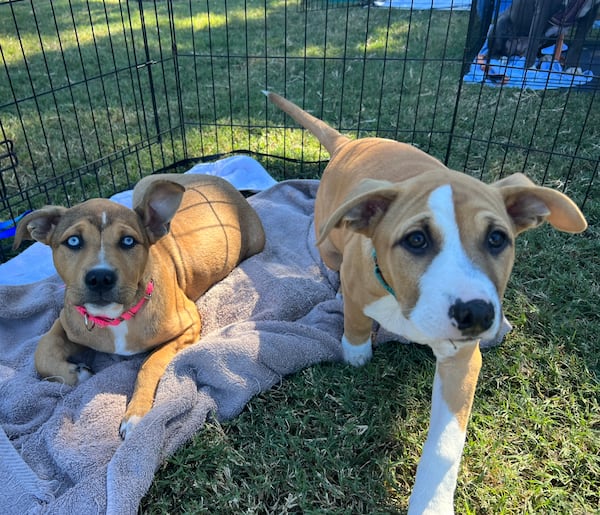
331, 438
334, 439
93, 87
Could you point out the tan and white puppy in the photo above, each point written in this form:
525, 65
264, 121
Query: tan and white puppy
426, 252
132, 275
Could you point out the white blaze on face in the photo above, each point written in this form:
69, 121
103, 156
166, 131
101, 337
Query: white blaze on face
450, 276
114, 309
102, 253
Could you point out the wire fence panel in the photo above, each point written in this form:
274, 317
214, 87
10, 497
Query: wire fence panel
95, 95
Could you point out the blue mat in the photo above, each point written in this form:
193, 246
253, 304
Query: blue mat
511, 72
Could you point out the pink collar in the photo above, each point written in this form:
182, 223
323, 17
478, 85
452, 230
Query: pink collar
103, 321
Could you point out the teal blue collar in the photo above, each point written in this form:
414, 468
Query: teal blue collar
379, 275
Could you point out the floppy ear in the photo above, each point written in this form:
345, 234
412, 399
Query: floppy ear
363, 208
529, 205
158, 207
38, 225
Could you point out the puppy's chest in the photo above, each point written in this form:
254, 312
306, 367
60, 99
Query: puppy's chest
386, 311
125, 339
120, 342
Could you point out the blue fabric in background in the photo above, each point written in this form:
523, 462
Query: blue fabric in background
7, 229
511, 72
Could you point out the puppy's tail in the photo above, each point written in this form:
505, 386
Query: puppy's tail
331, 139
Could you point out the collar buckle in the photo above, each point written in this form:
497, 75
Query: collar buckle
88, 325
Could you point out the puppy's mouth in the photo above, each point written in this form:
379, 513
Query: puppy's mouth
463, 340
107, 309
478, 335
100, 299
106, 302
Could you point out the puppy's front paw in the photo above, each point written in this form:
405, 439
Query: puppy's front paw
68, 373
139, 405
82, 371
128, 425
357, 355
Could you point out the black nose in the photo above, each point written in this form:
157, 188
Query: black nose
100, 279
472, 317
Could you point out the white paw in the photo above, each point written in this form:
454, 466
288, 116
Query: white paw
127, 426
82, 371
357, 355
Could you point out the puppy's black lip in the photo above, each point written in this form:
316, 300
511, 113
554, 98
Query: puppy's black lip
462, 339
100, 301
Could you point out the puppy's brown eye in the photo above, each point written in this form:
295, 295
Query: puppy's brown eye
416, 242
496, 241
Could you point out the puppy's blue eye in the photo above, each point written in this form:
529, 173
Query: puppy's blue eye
128, 242
416, 242
496, 241
74, 242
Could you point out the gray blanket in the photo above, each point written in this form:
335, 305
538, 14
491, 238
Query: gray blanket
60, 451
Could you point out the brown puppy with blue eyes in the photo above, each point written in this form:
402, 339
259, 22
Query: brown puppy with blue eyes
426, 252
132, 275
